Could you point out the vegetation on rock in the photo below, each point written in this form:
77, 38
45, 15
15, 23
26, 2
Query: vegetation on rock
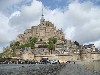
51, 44
15, 45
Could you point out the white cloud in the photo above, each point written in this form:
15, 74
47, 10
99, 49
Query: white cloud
4, 28
15, 14
4, 4
28, 14
86, 19
70, 32
76, 19
7, 33
79, 21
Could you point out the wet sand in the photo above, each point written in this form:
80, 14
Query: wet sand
30, 69
79, 68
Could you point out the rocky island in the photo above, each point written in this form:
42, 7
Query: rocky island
46, 41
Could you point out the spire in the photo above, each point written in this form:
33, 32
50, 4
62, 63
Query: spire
42, 13
42, 18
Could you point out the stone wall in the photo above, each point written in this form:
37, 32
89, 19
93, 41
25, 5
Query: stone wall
64, 57
90, 56
61, 58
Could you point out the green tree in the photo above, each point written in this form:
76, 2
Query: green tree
33, 40
22, 46
14, 45
7, 52
51, 44
17, 43
30, 43
54, 40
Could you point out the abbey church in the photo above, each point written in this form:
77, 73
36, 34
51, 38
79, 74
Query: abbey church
43, 31
63, 49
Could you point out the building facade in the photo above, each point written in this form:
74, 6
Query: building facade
44, 31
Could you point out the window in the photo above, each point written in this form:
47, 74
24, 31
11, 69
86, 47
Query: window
41, 40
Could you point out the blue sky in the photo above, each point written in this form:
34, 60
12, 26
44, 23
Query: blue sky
75, 17
52, 4
55, 3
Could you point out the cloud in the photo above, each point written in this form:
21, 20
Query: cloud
4, 28
7, 33
79, 21
86, 19
4, 4
28, 14
76, 19
96, 43
82, 20
15, 14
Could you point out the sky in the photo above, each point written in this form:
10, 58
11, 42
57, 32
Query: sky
79, 19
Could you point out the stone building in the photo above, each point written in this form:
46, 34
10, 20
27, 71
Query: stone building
44, 31
65, 50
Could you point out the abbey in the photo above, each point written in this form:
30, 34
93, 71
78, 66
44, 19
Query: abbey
60, 48
43, 31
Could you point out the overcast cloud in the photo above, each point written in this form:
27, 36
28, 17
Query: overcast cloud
79, 21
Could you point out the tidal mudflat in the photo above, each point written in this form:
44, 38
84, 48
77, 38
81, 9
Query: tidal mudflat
78, 68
